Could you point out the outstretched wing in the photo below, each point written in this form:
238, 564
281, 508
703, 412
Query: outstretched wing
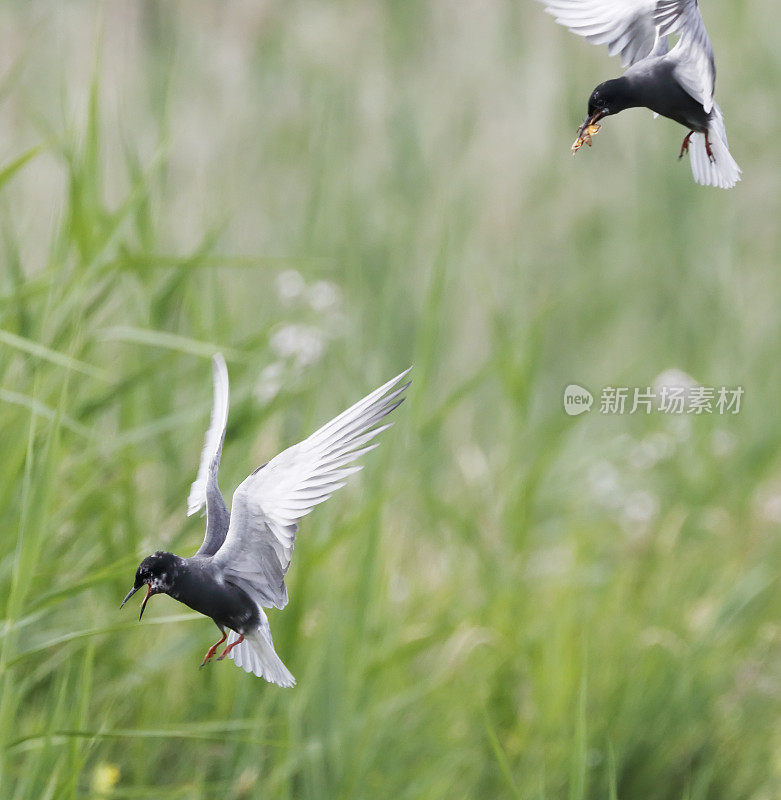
629, 27
204, 489
695, 66
268, 505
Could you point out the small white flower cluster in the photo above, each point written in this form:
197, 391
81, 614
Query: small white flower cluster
620, 483
320, 296
303, 344
297, 346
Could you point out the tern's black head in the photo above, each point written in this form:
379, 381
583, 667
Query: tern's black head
158, 572
159, 569
610, 97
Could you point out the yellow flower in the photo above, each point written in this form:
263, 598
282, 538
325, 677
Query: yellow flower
104, 778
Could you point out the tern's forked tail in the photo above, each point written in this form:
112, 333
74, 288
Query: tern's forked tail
256, 654
722, 170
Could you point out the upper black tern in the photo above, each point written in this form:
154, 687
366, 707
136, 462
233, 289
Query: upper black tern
677, 83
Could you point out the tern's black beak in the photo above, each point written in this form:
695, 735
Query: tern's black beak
592, 120
128, 596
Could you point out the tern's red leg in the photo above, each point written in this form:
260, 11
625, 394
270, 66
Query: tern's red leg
230, 647
685, 145
711, 157
210, 652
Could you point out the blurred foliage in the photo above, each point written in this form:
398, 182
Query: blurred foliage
507, 602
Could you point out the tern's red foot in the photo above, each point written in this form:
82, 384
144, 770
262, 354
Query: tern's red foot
211, 651
230, 647
708, 150
685, 145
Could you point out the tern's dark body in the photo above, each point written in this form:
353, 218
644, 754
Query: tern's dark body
655, 87
197, 587
649, 85
195, 582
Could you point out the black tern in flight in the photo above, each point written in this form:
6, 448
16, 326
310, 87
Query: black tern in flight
677, 83
240, 568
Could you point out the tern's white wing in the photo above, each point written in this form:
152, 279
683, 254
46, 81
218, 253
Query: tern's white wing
695, 67
268, 505
204, 489
629, 27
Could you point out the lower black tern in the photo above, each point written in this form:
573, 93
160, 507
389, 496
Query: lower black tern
677, 83
240, 568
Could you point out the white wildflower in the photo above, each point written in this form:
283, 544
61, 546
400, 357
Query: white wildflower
640, 507
290, 285
302, 343
323, 296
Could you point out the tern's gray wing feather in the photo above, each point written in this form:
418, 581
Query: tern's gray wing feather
268, 505
661, 48
625, 26
695, 66
204, 489
629, 27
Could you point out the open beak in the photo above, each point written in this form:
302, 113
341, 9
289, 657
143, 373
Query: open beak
143, 602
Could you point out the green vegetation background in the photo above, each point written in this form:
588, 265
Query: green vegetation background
507, 602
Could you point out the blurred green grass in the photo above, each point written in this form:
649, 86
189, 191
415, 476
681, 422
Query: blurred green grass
507, 602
